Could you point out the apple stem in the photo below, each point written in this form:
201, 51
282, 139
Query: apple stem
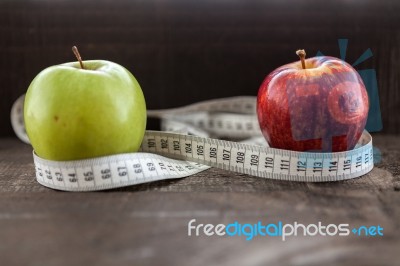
302, 55
78, 56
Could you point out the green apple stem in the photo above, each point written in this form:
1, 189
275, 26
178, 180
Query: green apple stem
302, 55
78, 56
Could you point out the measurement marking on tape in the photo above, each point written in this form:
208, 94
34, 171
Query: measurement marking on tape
136, 168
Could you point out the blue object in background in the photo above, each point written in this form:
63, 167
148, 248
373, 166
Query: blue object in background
374, 121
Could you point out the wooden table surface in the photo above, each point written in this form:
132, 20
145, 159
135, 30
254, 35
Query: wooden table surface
147, 224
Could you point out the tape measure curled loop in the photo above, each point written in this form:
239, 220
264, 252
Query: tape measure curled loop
167, 155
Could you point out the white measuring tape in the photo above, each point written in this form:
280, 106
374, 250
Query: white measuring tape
169, 155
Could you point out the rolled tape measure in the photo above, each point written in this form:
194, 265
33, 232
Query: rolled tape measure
184, 148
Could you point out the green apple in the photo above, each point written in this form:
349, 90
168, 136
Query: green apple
73, 113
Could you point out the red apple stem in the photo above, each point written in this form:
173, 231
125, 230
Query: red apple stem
78, 56
302, 54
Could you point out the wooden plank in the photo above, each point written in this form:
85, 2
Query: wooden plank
147, 224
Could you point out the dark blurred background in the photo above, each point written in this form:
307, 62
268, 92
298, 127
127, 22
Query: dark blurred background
187, 51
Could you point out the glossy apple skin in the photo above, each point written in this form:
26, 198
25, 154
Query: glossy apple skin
72, 113
321, 108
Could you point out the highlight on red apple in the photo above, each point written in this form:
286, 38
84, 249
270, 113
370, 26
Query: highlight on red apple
315, 104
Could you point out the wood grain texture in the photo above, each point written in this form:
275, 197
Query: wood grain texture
147, 224
187, 51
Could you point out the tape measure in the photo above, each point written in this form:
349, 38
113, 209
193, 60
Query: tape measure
189, 150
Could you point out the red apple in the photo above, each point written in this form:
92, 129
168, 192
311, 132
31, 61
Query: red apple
317, 104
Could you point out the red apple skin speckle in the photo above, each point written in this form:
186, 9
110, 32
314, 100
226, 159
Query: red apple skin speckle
321, 108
